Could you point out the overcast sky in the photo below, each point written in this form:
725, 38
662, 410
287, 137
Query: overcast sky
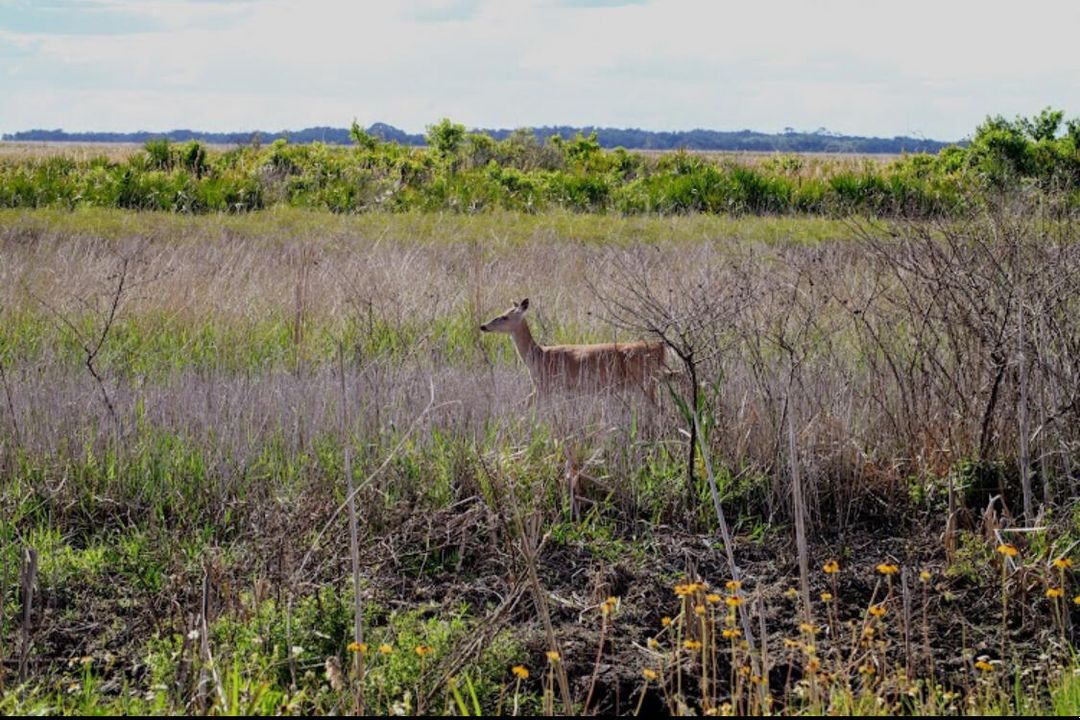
934, 68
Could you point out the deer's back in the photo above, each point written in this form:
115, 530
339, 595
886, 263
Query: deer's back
603, 364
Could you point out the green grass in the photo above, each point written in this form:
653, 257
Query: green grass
497, 230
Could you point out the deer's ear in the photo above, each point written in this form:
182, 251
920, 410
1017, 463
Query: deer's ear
524, 304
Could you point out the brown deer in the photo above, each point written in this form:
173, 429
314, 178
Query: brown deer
582, 368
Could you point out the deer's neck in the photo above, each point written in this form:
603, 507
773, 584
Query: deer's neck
529, 352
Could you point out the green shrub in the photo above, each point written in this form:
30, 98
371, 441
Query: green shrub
472, 172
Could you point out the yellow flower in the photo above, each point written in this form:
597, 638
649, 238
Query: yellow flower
610, 605
520, 672
807, 628
867, 669
791, 593
699, 609
813, 665
733, 601
732, 633
1076, 600
649, 674
887, 569
733, 585
665, 621
553, 656
653, 643
877, 610
831, 567
386, 649
924, 576
1008, 549
423, 650
790, 644
714, 598
358, 647
826, 596
1054, 593
692, 645
682, 589
983, 665
1062, 563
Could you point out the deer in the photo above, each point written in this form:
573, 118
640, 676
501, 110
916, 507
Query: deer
582, 368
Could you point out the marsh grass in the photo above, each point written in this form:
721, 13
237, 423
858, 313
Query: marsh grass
205, 514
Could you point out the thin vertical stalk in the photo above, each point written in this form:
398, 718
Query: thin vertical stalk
29, 579
800, 514
1022, 412
354, 537
725, 534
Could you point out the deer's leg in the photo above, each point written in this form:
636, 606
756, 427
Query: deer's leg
650, 393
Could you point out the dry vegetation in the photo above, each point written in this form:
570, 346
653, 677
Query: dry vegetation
14, 151
175, 533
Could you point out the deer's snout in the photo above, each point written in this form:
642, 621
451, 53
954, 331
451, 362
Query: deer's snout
484, 328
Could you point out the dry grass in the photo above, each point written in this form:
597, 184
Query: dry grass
868, 344
853, 343
80, 151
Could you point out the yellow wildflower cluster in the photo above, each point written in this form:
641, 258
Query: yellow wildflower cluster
684, 589
1008, 550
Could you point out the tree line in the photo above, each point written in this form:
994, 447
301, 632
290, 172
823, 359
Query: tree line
817, 141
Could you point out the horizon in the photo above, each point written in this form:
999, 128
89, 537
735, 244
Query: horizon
219, 65
820, 131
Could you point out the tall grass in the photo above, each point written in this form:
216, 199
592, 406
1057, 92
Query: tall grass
885, 359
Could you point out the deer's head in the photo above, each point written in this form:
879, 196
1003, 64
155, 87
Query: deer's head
509, 320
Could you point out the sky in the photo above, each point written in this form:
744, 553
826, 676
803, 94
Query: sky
929, 68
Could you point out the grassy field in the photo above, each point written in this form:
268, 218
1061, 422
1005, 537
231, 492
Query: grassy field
186, 400
11, 150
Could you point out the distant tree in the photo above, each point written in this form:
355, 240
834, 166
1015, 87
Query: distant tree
1044, 126
445, 137
361, 137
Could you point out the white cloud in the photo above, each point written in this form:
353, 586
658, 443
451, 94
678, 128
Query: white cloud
851, 65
